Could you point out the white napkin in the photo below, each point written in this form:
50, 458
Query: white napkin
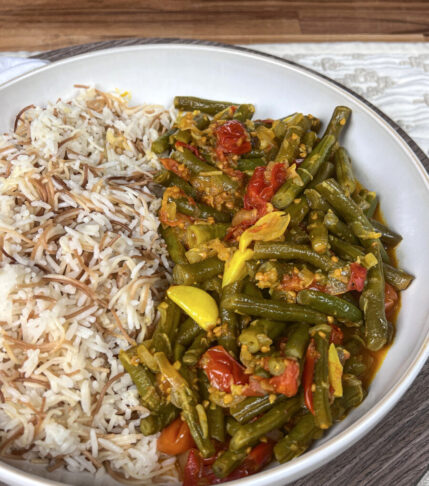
11, 67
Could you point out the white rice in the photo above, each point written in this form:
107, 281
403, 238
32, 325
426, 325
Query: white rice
61, 216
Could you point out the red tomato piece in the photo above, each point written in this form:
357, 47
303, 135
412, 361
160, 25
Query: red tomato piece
178, 169
222, 369
175, 438
336, 336
357, 277
287, 383
232, 138
257, 458
276, 176
311, 356
193, 149
252, 198
257, 387
262, 186
291, 283
199, 471
390, 300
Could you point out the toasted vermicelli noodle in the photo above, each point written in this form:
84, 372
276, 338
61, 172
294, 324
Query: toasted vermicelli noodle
82, 268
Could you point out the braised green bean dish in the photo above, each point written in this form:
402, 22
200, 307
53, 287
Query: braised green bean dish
284, 292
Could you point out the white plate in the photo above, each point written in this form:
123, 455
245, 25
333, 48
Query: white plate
383, 160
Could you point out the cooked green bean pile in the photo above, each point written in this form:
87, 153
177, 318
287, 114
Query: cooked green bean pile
285, 289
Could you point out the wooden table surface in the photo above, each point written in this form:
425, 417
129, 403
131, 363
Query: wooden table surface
396, 451
50, 24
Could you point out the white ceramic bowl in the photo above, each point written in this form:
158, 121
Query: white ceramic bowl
384, 162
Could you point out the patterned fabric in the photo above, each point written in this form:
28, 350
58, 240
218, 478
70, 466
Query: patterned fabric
392, 76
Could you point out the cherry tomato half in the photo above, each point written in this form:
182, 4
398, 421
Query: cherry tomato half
232, 138
175, 438
222, 369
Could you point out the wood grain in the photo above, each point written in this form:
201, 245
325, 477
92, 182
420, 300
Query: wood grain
50, 24
396, 451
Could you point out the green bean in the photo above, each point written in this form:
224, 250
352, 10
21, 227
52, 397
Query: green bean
191, 273
250, 164
338, 228
326, 171
249, 434
154, 423
353, 392
184, 397
229, 321
279, 127
144, 381
251, 407
345, 250
383, 253
292, 251
297, 235
168, 179
215, 415
188, 331
338, 121
213, 284
289, 147
316, 201
227, 462
200, 210
367, 202
162, 143
252, 267
244, 112
178, 351
276, 365
298, 210
191, 103
270, 309
232, 426
200, 168
330, 305
350, 212
388, 237
174, 246
292, 188
394, 276
297, 440
167, 327
358, 365
322, 411
255, 154
183, 136
202, 121
261, 333
146, 357
197, 234
297, 341
318, 232
315, 123
198, 347
372, 303
344, 171
309, 140
251, 289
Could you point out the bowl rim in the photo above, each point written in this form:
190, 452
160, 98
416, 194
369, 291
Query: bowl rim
345, 439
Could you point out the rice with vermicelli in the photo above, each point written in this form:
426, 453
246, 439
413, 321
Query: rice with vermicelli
82, 269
